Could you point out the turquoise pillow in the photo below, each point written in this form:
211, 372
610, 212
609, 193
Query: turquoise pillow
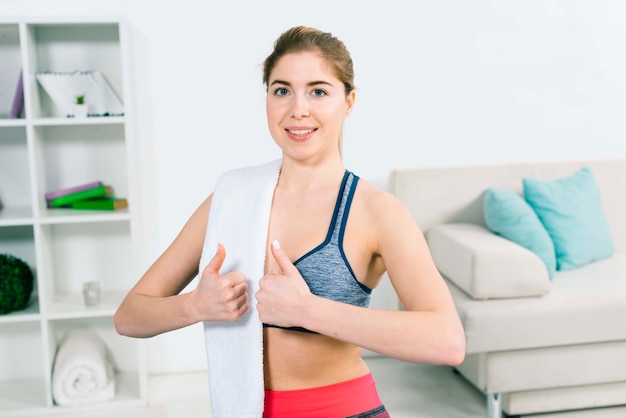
507, 214
570, 208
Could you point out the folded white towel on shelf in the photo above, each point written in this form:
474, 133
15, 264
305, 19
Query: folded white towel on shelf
239, 220
83, 370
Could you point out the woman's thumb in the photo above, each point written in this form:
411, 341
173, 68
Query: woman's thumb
216, 262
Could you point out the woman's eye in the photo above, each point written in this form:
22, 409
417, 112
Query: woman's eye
319, 93
281, 91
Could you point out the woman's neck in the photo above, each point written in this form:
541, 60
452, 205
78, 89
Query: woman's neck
299, 176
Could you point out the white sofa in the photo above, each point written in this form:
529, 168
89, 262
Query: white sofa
534, 344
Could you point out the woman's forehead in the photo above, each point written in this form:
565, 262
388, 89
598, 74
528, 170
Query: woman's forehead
302, 67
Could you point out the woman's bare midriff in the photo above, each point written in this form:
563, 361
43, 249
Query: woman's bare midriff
299, 360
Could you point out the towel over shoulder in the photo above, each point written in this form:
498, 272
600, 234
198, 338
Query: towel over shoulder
239, 220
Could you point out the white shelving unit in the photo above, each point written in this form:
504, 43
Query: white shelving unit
43, 151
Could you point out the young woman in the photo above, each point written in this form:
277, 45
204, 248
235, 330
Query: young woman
331, 237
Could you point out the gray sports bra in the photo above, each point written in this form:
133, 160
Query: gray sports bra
325, 268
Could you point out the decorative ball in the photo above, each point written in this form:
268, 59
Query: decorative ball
16, 283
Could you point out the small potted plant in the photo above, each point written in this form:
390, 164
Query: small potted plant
80, 107
16, 284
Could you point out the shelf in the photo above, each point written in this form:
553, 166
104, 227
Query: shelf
70, 216
18, 240
77, 253
58, 121
22, 371
16, 216
15, 177
72, 305
69, 47
23, 395
79, 154
12, 123
124, 350
29, 314
41, 151
28, 396
91, 120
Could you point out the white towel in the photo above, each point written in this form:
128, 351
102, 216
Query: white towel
83, 370
239, 220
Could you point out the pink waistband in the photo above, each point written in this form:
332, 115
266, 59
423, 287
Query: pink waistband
343, 399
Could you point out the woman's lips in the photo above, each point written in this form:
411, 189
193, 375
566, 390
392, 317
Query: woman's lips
300, 134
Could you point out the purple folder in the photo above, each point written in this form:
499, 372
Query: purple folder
63, 192
18, 100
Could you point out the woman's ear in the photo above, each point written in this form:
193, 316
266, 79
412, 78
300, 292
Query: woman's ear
350, 98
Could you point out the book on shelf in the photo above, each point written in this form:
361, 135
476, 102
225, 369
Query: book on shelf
101, 203
68, 199
18, 100
74, 189
65, 87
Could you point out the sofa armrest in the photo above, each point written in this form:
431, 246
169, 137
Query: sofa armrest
486, 265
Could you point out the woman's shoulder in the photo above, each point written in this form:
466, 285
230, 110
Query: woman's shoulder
250, 177
252, 170
374, 194
377, 202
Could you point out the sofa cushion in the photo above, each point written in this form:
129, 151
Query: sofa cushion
571, 210
509, 215
585, 305
486, 265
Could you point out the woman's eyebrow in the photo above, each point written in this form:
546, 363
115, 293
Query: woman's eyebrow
309, 84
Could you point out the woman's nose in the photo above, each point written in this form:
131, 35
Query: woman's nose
299, 107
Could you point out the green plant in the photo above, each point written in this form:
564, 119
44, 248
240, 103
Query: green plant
16, 283
80, 100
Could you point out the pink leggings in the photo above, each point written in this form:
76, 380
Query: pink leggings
356, 398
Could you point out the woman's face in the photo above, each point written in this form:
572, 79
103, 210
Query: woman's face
306, 106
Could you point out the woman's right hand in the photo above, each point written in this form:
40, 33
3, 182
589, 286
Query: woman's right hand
220, 297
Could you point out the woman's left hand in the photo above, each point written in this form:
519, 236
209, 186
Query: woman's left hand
282, 296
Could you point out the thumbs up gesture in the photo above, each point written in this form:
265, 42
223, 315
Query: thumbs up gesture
281, 296
221, 297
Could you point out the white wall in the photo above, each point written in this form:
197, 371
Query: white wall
439, 83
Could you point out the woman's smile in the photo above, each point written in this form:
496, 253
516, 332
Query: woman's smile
300, 134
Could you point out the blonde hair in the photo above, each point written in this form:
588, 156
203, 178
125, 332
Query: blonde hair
307, 39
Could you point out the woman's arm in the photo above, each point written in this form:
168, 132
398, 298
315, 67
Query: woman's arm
154, 305
427, 331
